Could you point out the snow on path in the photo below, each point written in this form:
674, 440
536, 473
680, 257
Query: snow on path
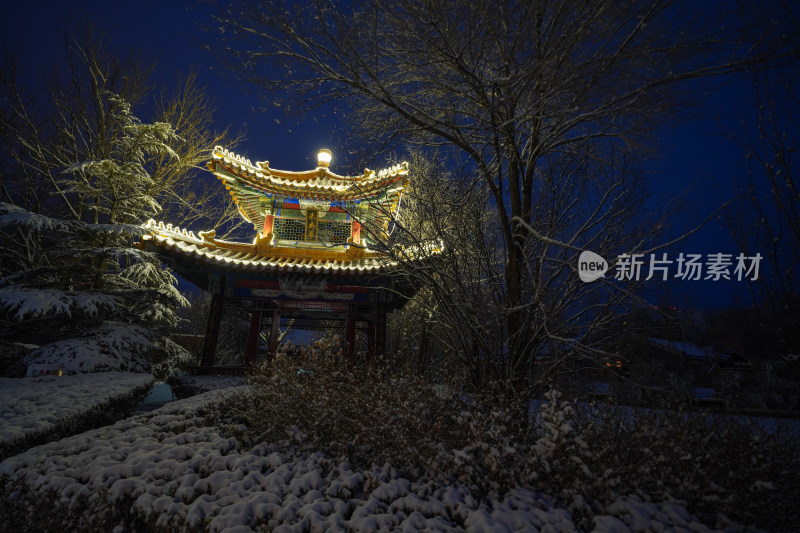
33, 408
170, 470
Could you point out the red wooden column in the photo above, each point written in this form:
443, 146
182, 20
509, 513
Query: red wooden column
275, 332
349, 336
252, 338
356, 232
269, 221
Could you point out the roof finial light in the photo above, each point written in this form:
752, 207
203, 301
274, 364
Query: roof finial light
324, 158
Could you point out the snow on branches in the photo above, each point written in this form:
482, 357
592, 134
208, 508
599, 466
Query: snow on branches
70, 280
27, 303
120, 179
11, 215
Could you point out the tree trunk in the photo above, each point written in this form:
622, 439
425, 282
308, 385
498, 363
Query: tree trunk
516, 320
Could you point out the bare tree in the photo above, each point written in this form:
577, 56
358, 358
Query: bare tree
766, 221
184, 188
524, 90
453, 325
458, 321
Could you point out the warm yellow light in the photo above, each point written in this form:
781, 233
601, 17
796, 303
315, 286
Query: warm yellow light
324, 158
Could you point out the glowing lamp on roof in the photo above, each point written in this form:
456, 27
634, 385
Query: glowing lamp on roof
324, 158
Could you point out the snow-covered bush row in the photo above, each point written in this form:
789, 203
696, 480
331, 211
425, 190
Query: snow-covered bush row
174, 470
46, 408
112, 346
109, 346
587, 456
725, 467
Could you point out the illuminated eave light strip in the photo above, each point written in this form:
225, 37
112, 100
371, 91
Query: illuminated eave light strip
226, 258
323, 158
168, 228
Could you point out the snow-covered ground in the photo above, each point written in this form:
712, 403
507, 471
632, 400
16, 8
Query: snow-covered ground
33, 409
172, 470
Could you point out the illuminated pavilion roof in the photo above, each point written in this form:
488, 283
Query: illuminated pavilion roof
306, 222
258, 190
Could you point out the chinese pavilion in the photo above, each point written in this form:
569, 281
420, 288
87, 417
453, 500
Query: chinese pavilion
312, 260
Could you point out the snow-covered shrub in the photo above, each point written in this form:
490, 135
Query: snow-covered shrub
113, 346
366, 412
86, 318
588, 456
721, 466
48, 408
173, 470
375, 413
490, 451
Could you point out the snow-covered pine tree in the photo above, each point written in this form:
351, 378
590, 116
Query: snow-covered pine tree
74, 286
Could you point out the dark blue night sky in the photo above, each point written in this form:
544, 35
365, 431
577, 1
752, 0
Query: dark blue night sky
696, 155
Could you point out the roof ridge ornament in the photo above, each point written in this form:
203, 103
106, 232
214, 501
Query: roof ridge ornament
208, 236
264, 244
353, 251
394, 169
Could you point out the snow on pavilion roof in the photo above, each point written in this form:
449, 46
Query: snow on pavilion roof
261, 256
250, 183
